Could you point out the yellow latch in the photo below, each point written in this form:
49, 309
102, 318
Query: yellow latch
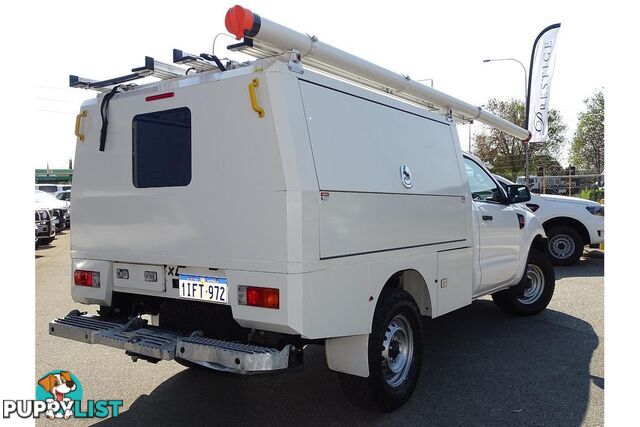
252, 94
78, 119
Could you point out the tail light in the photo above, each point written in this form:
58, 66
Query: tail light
259, 297
533, 207
86, 278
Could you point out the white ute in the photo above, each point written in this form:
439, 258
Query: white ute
252, 209
570, 223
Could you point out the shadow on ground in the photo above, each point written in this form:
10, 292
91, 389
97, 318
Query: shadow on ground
481, 367
591, 264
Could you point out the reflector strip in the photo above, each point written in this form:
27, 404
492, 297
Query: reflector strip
159, 96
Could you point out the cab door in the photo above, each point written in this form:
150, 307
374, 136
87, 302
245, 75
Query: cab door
498, 228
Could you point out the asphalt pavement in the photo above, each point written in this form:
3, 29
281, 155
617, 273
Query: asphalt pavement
481, 367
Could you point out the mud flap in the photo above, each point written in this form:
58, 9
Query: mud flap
349, 354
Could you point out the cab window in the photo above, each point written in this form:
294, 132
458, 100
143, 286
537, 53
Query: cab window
482, 187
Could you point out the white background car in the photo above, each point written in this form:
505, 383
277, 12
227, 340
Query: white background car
570, 223
52, 188
58, 208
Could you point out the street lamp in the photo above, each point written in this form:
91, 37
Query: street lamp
526, 85
524, 69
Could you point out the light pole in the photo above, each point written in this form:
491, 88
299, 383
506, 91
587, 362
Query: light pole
526, 85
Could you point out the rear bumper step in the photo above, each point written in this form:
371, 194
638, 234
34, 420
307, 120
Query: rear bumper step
234, 356
150, 342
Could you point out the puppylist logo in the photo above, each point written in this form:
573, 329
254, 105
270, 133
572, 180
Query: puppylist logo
59, 395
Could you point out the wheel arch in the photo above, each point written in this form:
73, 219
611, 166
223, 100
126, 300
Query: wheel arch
413, 282
540, 243
568, 222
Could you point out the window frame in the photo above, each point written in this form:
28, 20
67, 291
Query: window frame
135, 153
503, 195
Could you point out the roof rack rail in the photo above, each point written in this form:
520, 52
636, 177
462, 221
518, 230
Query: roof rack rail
202, 62
151, 68
159, 69
254, 48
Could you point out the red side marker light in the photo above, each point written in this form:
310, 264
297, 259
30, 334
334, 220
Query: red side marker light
159, 96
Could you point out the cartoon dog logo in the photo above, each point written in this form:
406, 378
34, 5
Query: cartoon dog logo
58, 385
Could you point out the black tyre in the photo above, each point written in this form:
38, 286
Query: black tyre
395, 355
47, 241
539, 283
565, 245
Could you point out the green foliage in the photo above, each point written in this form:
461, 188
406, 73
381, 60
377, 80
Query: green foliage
587, 147
506, 153
592, 194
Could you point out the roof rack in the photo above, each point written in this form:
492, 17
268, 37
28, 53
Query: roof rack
202, 62
151, 68
254, 48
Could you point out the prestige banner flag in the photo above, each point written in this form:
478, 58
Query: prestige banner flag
543, 58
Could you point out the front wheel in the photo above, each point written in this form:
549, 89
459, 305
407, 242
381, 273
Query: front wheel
395, 355
538, 282
565, 245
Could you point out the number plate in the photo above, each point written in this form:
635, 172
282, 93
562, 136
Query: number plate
203, 288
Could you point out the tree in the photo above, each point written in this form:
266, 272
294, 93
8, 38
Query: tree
506, 153
587, 147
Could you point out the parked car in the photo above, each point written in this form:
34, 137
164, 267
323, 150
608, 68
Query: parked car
45, 229
52, 188
59, 209
64, 195
570, 223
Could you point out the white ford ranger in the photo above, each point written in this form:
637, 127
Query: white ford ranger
571, 223
253, 210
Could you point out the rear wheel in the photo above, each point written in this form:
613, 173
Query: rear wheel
565, 245
47, 241
538, 283
395, 355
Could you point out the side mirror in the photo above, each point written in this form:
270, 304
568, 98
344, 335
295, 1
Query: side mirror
518, 194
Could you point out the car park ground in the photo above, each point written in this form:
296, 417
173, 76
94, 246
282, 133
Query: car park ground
480, 367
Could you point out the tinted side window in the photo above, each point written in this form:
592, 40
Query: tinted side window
48, 188
482, 187
162, 148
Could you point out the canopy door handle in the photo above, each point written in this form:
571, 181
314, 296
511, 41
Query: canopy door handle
252, 94
79, 117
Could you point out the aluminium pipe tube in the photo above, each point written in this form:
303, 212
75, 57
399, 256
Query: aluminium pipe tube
242, 22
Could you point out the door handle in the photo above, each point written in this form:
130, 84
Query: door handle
487, 218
